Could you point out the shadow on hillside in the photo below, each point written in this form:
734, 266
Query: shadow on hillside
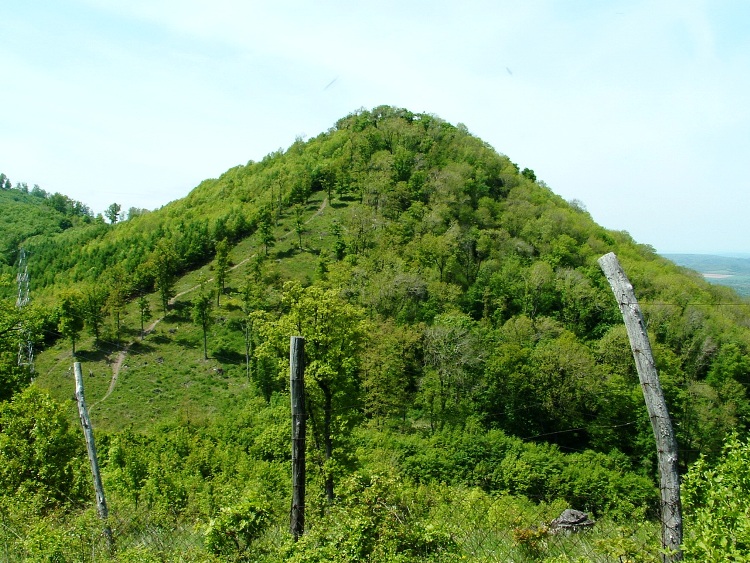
228, 356
288, 253
184, 342
159, 339
230, 306
139, 348
97, 355
179, 311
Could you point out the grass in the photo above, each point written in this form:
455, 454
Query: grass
485, 529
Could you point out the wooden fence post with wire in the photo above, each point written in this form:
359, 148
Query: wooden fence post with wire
88, 432
299, 422
666, 444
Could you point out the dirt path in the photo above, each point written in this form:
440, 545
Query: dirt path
122, 354
117, 366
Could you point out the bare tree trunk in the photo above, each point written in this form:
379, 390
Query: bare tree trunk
666, 444
88, 432
297, 388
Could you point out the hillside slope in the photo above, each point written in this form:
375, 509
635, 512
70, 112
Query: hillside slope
24, 215
433, 235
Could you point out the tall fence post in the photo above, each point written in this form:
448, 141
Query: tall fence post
88, 432
299, 422
666, 444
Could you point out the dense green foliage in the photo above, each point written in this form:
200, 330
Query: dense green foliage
464, 352
27, 214
717, 500
40, 454
19, 326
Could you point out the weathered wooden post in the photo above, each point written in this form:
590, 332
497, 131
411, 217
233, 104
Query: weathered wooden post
666, 444
299, 422
88, 432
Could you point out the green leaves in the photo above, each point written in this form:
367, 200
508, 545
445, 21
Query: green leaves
113, 213
235, 528
165, 264
716, 497
200, 312
222, 268
70, 314
41, 456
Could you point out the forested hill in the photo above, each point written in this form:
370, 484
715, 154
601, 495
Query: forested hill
424, 224
28, 213
452, 304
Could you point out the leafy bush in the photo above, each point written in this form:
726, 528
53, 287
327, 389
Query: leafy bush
590, 481
717, 506
236, 527
42, 458
375, 518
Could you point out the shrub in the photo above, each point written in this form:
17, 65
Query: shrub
717, 506
236, 527
41, 457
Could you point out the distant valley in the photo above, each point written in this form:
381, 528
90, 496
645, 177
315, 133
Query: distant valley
731, 271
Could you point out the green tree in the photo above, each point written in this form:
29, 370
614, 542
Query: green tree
452, 356
16, 324
5, 183
540, 294
201, 313
165, 263
251, 301
716, 497
236, 527
117, 297
113, 212
339, 245
222, 268
438, 250
391, 366
70, 315
94, 299
299, 224
334, 331
144, 311
40, 455
265, 231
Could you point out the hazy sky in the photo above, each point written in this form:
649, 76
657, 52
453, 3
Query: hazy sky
639, 109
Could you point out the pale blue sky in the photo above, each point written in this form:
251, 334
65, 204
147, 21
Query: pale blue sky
639, 109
